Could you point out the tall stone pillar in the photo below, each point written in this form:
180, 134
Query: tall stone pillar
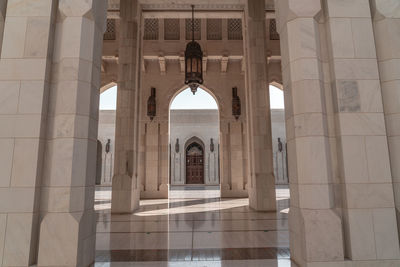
368, 203
25, 65
315, 227
68, 222
236, 156
224, 158
125, 184
260, 169
386, 22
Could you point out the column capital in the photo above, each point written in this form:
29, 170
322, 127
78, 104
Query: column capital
291, 9
90, 9
288, 10
381, 9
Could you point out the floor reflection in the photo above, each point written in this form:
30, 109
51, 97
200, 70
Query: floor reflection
192, 232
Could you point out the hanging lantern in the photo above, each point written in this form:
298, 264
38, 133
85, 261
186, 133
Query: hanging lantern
193, 62
212, 145
151, 104
236, 107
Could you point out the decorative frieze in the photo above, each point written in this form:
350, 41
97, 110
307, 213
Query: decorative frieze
151, 29
235, 29
214, 29
197, 29
110, 33
171, 29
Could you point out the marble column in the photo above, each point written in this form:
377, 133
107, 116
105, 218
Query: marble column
225, 163
260, 169
315, 227
68, 222
236, 156
25, 65
125, 184
368, 203
386, 22
156, 160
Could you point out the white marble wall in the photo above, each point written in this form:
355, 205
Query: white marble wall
49, 80
107, 131
386, 23
280, 160
315, 228
360, 127
24, 85
185, 124
339, 168
68, 222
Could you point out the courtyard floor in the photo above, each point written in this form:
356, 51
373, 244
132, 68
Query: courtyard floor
201, 231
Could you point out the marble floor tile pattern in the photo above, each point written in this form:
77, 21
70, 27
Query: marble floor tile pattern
207, 231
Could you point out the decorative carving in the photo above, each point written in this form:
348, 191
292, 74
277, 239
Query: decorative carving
150, 29
171, 29
110, 30
212, 145
151, 104
236, 106
180, 6
163, 65
214, 29
235, 29
196, 28
177, 145
273, 33
224, 64
204, 64
108, 145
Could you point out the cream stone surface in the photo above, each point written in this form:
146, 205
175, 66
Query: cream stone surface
386, 19
308, 146
260, 167
368, 127
337, 62
126, 187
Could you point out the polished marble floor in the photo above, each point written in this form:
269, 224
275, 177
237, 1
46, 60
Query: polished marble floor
201, 231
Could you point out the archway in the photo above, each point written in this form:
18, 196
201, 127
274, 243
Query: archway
278, 134
194, 134
106, 132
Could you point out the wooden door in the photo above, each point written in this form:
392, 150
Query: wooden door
194, 164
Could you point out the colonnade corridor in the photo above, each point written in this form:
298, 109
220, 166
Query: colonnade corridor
208, 231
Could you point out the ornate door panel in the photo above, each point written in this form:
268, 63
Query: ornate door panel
194, 164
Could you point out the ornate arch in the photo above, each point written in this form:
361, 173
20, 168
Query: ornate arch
107, 86
173, 92
194, 139
276, 84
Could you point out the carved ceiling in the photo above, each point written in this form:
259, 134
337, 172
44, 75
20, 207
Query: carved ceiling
226, 5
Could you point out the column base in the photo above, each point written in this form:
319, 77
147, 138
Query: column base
67, 239
154, 194
234, 193
262, 195
125, 198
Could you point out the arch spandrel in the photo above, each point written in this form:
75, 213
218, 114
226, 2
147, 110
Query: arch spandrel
173, 92
194, 139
